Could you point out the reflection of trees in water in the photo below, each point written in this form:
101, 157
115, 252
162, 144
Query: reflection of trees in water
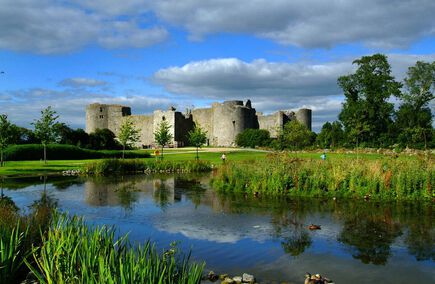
420, 237
127, 196
297, 243
161, 193
369, 230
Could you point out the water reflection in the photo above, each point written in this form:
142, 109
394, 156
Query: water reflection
185, 206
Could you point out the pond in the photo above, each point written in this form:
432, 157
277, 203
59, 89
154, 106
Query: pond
359, 241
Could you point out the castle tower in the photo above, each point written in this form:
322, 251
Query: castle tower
229, 119
304, 116
100, 116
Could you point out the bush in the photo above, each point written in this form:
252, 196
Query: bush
253, 138
30, 152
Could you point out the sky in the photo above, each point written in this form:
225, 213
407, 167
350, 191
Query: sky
281, 54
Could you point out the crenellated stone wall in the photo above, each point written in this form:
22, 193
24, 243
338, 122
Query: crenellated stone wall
223, 121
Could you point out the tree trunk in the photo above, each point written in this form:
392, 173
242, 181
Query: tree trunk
197, 156
1, 158
162, 151
123, 150
45, 153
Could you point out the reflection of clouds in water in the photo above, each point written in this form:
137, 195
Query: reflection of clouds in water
214, 227
227, 228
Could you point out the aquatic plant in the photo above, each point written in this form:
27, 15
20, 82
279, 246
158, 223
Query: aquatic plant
73, 252
280, 174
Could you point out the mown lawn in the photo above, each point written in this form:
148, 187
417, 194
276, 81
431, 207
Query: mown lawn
16, 168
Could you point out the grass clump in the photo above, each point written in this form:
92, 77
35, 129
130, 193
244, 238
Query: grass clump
30, 152
117, 166
280, 174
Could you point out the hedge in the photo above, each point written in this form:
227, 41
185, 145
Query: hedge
29, 152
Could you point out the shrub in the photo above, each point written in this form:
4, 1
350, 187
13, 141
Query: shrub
253, 138
63, 152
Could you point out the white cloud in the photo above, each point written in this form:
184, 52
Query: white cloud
306, 23
52, 27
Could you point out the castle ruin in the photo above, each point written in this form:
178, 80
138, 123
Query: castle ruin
222, 121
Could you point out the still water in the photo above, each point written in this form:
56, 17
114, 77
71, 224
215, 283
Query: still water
359, 241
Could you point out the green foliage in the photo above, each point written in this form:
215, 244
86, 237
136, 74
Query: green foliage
128, 134
414, 117
45, 128
197, 137
103, 139
67, 135
253, 138
282, 175
5, 135
366, 113
163, 135
29, 152
294, 136
116, 166
331, 135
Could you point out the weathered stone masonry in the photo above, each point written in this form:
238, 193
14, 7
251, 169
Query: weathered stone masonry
223, 121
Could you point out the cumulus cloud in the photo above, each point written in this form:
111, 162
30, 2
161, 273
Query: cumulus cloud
51, 27
82, 82
272, 85
307, 23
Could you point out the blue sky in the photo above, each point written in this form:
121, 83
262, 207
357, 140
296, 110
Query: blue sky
153, 54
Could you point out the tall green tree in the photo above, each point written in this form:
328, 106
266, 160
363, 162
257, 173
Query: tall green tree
163, 135
45, 128
5, 135
414, 116
367, 114
331, 135
197, 137
295, 135
128, 134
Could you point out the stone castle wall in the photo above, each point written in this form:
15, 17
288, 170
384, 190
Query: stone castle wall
223, 121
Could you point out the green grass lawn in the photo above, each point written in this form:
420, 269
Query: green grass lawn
16, 168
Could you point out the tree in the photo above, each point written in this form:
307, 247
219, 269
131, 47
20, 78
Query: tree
45, 128
197, 137
366, 105
253, 137
331, 135
414, 116
295, 135
163, 135
128, 134
5, 135
103, 139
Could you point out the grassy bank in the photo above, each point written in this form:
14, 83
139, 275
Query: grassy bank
281, 174
118, 166
61, 249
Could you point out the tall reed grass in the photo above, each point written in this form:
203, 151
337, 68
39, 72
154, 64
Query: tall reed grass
279, 174
73, 252
57, 248
118, 166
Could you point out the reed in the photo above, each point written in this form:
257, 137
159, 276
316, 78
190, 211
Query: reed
73, 252
118, 166
279, 174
